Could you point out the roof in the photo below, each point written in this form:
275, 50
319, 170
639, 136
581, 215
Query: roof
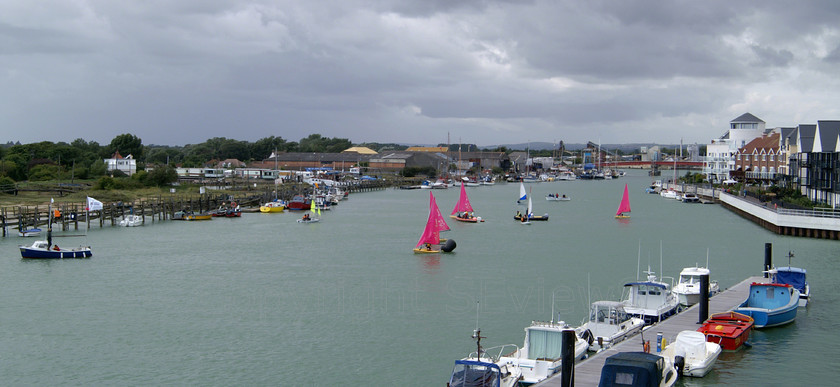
828, 132
765, 143
360, 149
746, 117
806, 137
426, 149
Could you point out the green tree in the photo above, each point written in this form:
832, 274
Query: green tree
127, 144
161, 176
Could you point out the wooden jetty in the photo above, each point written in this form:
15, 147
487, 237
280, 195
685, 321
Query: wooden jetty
588, 371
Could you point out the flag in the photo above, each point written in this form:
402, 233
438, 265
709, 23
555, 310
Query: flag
93, 204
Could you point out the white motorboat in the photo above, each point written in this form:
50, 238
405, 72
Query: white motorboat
131, 221
608, 325
541, 355
556, 197
687, 288
698, 354
651, 300
486, 367
689, 197
669, 194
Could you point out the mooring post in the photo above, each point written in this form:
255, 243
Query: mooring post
704, 298
768, 259
567, 365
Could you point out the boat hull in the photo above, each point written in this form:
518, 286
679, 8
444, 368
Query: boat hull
308, 221
198, 217
767, 311
532, 218
26, 252
731, 330
268, 210
467, 220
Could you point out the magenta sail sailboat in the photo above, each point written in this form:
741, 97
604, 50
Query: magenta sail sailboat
430, 241
463, 211
624, 207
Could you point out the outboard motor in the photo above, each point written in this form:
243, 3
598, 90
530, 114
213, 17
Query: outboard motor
679, 364
449, 246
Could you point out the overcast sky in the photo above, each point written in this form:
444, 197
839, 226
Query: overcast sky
485, 72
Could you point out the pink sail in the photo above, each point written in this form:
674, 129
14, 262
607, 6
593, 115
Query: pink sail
625, 203
463, 204
434, 225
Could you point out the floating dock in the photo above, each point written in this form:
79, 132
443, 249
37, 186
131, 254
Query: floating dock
588, 371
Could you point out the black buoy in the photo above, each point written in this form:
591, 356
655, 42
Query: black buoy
449, 246
704, 298
768, 259
679, 364
567, 354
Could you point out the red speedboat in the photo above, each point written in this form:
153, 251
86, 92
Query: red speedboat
729, 329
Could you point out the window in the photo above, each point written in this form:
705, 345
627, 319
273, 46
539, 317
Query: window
771, 157
763, 157
746, 157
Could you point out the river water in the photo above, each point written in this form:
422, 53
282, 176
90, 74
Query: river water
263, 300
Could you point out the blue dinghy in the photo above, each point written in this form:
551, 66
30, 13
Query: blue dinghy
770, 305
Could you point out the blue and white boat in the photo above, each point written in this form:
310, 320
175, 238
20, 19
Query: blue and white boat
770, 304
43, 249
795, 277
486, 367
29, 232
651, 300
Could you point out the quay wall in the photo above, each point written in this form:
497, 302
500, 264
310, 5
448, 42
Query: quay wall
812, 224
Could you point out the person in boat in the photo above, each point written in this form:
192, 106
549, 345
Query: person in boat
518, 215
305, 216
429, 246
55, 247
564, 195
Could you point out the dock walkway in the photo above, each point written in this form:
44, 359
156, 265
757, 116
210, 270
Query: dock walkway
588, 371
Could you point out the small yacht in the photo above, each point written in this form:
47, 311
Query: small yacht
608, 325
688, 286
669, 194
793, 276
541, 355
486, 367
651, 300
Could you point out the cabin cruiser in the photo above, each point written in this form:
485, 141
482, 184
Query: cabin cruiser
486, 367
688, 286
651, 300
608, 325
541, 355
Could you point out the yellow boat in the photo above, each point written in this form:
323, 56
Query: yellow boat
272, 207
198, 217
425, 251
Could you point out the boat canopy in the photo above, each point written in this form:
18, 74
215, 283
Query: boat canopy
474, 373
792, 276
693, 343
654, 284
632, 369
544, 344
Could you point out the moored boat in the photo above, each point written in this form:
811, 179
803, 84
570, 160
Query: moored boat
793, 276
687, 288
29, 232
770, 304
651, 300
698, 354
638, 369
729, 329
299, 203
131, 221
608, 325
540, 355
202, 216
275, 206
486, 367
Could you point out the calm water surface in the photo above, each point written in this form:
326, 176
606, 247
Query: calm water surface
263, 300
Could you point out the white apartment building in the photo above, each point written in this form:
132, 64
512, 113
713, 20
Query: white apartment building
720, 153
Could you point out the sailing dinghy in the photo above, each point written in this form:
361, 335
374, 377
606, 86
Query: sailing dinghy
624, 206
463, 211
430, 242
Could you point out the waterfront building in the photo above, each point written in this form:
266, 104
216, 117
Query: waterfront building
759, 159
720, 153
127, 164
815, 166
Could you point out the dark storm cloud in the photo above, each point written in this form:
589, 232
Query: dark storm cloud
412, 71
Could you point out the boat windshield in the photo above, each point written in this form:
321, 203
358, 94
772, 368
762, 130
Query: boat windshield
689, 279
468, 373
609, 314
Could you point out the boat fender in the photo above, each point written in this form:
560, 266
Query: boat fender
449, 246
679, 364
646, 346
587, 335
